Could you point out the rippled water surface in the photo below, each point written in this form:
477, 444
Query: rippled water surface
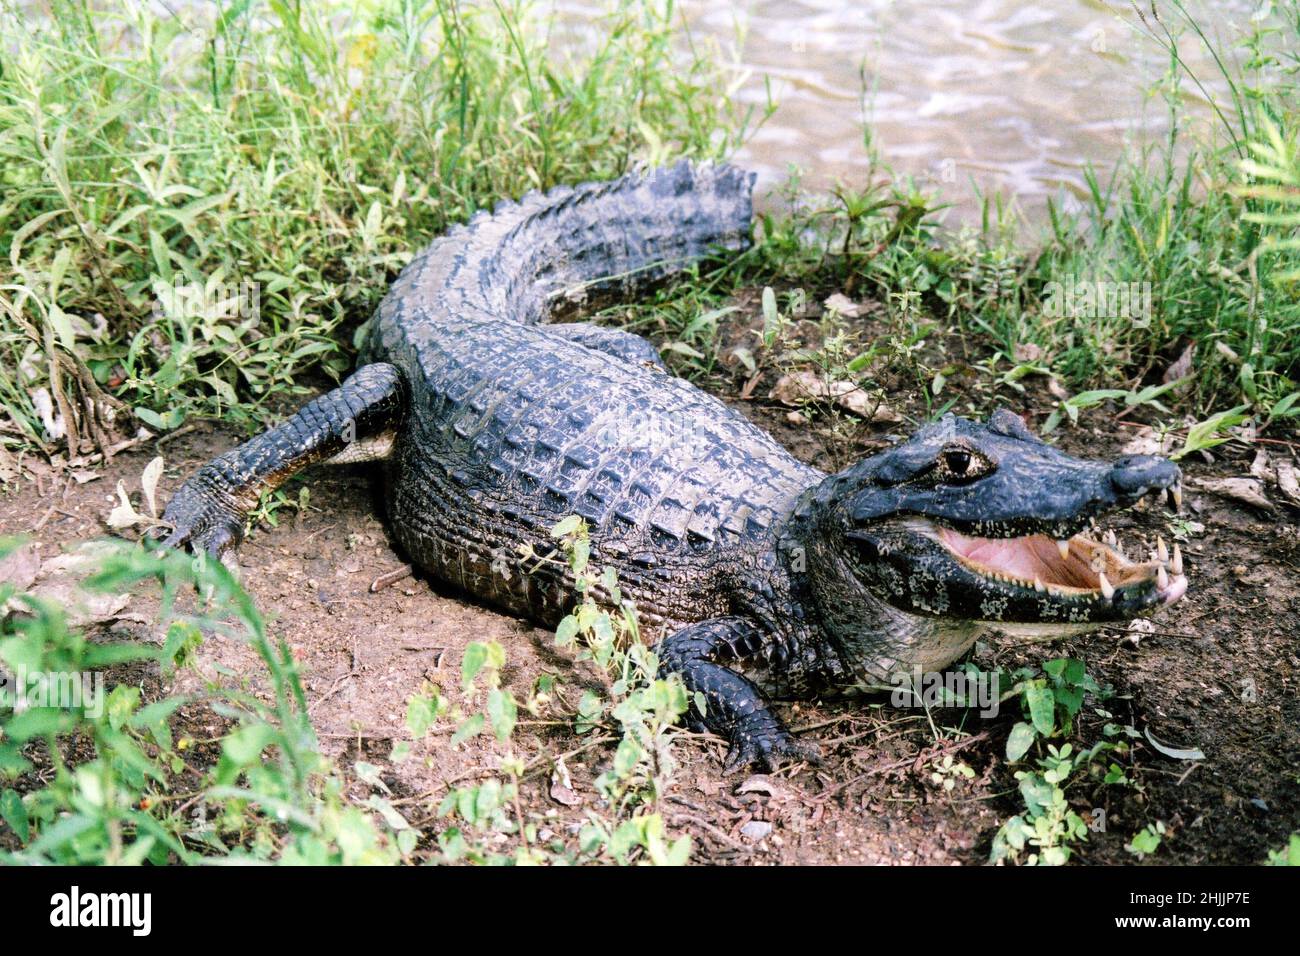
996, 95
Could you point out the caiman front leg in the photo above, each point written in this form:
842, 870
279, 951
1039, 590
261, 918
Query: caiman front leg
349, 423
734, 708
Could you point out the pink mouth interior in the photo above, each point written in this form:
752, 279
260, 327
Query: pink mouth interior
1036, 559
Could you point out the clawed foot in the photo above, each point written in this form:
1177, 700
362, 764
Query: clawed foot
202, 518
769, 745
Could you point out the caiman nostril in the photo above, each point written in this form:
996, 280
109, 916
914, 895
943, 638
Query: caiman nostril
1136, 474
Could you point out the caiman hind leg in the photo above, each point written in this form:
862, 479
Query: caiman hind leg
349, 423
623, 345
734, 708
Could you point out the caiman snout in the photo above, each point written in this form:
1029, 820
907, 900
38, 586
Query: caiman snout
1135, 475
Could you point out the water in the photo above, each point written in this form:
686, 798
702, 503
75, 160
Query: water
964, 95
968, 97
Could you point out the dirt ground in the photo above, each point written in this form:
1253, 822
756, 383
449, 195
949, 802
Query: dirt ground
1216, 672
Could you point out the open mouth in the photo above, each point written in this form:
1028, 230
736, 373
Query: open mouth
1078, 567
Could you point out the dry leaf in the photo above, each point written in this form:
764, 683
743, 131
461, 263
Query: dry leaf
8, 467
841, 303
149, 484
1145, 441
801, 387
1027, 352
1259, 467
59, 580
1181, 368
1139, 629
562, 786
1247, 490
1177, 753
756, 830
1286, 480
21, 566
759, 783
124, 514
797, 389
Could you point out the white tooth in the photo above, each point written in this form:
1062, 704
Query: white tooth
1039, 585
1177, 565
1107, 589
1063, 546
1161, 551
1178, 496
1110, 538
1162, 578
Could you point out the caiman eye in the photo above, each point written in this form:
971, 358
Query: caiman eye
957, 461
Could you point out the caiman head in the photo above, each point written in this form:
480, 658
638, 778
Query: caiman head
984, 522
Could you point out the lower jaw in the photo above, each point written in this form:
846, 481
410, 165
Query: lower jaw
1037, 632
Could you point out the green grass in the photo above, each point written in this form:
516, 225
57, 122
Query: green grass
113, 782
309, 148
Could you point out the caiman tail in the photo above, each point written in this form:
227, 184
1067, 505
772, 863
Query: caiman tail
526, 257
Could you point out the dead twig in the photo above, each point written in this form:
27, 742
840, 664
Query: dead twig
392, 577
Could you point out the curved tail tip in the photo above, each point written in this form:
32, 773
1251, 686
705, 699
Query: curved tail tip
688, 175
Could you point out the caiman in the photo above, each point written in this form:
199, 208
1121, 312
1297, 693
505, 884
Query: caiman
760, 576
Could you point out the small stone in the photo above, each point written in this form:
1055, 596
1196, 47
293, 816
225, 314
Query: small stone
1139, 629
755, 830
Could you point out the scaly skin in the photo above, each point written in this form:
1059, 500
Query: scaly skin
756, 569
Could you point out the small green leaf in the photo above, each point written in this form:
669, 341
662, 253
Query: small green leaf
567, 631
1042, 707
566, 526
420, 712
122, 703
502, 712
476, 654
407, 840
1018, 743
471, 727
14, 813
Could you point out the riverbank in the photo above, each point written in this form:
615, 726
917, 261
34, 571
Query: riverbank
197, 221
